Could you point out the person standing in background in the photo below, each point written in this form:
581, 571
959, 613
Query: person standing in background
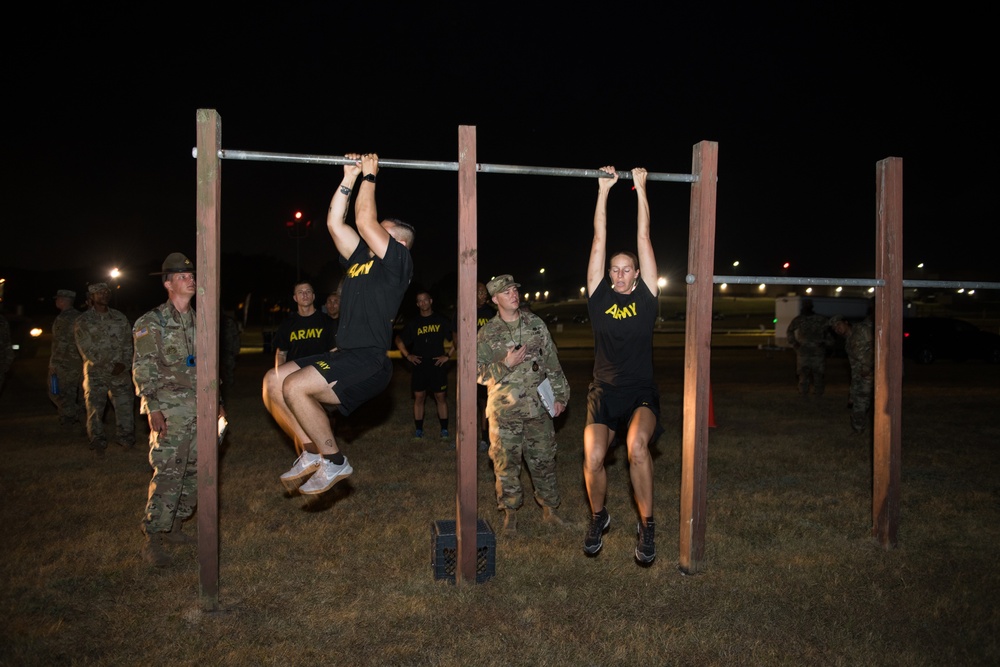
104, 337
422, 344
809, 335
65, 363
859, 344
304, 333
6, 348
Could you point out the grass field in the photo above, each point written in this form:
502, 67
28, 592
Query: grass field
792, 574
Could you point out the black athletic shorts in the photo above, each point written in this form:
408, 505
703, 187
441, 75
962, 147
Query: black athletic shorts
614, 407
428, 376
361, 374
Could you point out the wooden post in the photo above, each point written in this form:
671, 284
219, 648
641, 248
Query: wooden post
888, 350
209, 198
468, 263
697, 354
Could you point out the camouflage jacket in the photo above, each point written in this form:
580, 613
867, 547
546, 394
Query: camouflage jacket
810, 331
6, 346
103, 339
513, 392
860, 348
163, 369
65, 354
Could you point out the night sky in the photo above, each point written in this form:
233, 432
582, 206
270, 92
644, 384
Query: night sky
803, 101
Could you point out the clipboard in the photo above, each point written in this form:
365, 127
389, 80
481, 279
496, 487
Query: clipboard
547, 396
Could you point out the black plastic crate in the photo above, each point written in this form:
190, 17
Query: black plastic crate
444, 550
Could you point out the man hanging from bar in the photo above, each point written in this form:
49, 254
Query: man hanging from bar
378, 268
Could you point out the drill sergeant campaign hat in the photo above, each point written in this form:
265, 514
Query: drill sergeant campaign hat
175, 262
500, 283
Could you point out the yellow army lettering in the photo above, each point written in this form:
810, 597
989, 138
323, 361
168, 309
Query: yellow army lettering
359, 269
305, 334
429, 328
621, 313
324, 365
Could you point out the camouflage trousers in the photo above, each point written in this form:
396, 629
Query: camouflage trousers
97, 387
862, 390
811, 366
173, 489
534, 441
69, 401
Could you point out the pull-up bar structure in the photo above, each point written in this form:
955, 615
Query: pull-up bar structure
698, 331
209, 154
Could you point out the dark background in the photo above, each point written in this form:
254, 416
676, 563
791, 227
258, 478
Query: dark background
803, 101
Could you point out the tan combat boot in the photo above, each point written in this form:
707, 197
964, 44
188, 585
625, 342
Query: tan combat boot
510, 522
550, 517
176, 536
153, 551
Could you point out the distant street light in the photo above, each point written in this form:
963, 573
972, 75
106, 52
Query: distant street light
298, 229
115, 275
661, 282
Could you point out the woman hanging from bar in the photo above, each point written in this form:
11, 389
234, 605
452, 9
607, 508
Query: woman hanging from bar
623, 395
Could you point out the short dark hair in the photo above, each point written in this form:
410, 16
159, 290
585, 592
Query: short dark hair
409, 232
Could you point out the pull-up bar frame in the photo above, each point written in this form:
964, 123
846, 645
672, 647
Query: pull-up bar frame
701, 249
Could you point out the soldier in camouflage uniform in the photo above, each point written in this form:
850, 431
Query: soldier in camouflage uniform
65, 363
6, 349
103, 336
859, 343
164, 374
514, 354
810, 337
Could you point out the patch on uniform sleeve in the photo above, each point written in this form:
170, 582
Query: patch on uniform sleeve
144, 343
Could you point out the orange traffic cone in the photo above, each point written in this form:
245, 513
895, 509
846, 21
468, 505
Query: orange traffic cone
711, 408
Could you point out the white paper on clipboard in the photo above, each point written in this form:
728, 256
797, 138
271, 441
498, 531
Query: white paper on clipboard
548, 397
223, 424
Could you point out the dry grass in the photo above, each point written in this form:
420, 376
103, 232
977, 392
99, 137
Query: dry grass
793, 576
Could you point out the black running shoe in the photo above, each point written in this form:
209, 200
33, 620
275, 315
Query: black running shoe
645, 546
595, 533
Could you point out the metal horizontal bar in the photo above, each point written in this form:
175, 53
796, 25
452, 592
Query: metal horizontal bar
430, 165
854, 282
784, 280
959, 284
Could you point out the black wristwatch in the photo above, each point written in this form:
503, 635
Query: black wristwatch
369, 177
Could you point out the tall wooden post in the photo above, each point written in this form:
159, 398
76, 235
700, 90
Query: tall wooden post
468, 264
888, 350
209, 198
697, 355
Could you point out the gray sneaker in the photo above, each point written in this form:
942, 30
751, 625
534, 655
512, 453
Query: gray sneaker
595, 533
326, 476
304, 466
645, 546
